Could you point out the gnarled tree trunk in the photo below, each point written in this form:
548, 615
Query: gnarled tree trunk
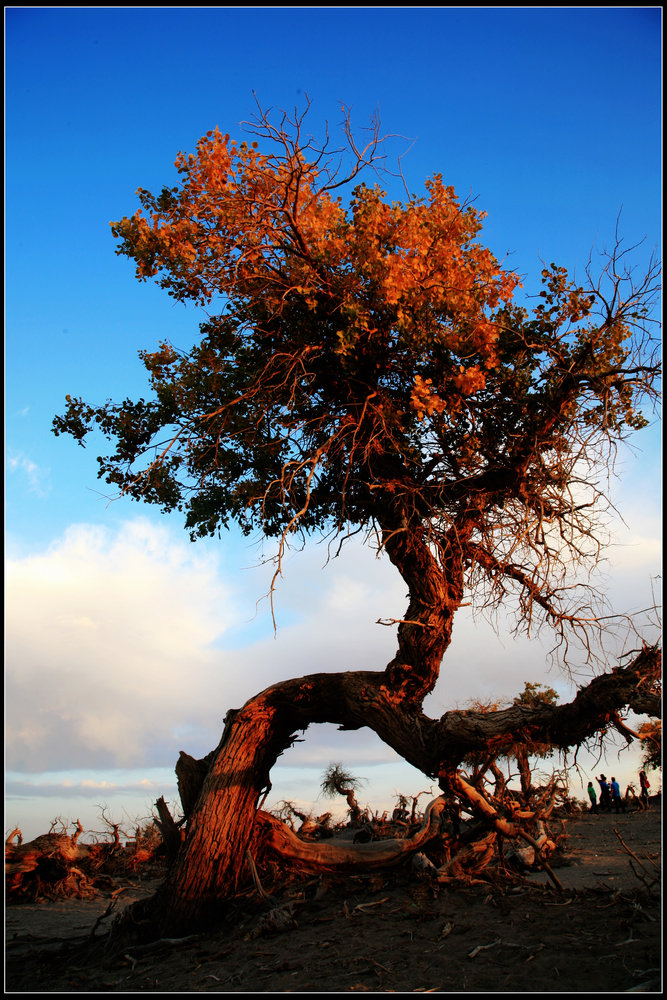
223, 824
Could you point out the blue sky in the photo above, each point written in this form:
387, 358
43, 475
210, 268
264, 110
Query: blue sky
124, 642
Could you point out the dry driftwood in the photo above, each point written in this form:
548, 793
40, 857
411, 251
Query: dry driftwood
279, 839
21, 858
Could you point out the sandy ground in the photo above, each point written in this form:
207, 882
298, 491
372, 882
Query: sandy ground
396, 933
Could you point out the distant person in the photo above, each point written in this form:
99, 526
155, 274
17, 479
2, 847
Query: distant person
644, 785
619, 804
592, 794
605, 793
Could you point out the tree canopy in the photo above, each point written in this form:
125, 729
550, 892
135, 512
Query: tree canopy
369, 369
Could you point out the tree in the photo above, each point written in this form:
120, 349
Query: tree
369, 371
338, 781
650, 733
525, 748
532, 696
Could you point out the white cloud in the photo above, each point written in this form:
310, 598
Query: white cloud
36, 476
117, 651
109, 645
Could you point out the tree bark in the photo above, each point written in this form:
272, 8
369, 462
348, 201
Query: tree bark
436, 590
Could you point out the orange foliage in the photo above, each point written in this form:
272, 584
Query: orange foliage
243, 224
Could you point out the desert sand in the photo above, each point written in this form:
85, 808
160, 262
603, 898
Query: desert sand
397, 932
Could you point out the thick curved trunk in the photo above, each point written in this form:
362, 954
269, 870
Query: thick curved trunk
435, 586
222, 824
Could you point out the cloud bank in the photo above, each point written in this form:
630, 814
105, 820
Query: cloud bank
108, 646
127, 645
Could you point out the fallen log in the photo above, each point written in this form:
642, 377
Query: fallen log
21, 858
279, 839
